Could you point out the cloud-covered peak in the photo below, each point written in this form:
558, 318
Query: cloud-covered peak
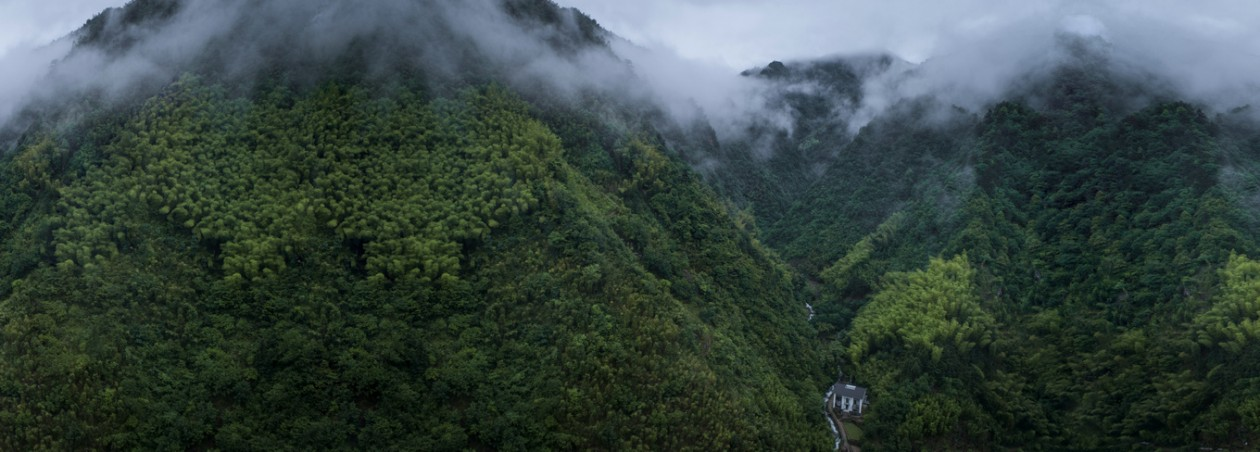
1084, 26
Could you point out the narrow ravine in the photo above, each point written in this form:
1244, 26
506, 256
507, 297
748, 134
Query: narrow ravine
835, 430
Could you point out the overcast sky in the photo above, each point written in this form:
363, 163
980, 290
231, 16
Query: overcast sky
38, 22
1209, 48
745, 33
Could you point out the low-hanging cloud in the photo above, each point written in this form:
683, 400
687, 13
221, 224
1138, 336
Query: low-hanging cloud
24, 66
966, 53
1195, 54
33, 23
235, 38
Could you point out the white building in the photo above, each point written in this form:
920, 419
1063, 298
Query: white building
847, 398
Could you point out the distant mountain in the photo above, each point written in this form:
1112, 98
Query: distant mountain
812, 108
1063, 270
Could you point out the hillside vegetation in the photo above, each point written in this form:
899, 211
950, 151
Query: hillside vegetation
1066, 276
335, 269
422, 237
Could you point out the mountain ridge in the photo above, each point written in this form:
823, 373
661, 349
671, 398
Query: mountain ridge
493, 232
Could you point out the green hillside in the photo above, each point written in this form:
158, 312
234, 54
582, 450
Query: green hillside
335, 269
471, 226
1094, 265
378, 263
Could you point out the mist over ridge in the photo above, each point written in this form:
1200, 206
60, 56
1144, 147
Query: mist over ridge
510, 225
971, 65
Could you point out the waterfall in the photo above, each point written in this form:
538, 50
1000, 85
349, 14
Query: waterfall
835, 429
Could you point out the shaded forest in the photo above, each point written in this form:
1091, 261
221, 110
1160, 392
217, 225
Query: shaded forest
332, 253
1065, 276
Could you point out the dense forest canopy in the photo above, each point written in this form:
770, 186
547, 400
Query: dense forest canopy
487, 231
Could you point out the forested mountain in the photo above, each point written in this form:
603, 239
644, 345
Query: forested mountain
770, 166
428, 225
1062, 271
385, 260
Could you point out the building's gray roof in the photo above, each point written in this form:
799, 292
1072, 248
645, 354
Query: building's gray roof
844, 390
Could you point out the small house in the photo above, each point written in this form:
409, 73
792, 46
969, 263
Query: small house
847, 398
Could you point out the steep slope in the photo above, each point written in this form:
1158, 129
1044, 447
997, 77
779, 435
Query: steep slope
785, 149
381, 260
417, 224
1091, 242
